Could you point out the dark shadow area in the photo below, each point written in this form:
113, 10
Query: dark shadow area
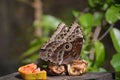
18, 76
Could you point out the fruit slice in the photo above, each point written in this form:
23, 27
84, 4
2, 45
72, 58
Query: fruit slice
30, 72
54, 69
77, 67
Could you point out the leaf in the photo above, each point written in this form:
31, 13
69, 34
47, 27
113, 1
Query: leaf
30, 51
115, 35
98, 18
36, 42
115, 62
105, 6
34, 47
49, 22
86, 20
36, 23
75, 13
32, 58
99, 53
112, 14
93, 3
102, 69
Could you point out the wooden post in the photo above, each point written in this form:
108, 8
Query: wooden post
37, 15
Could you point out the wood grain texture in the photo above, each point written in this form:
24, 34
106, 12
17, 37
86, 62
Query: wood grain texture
86, 76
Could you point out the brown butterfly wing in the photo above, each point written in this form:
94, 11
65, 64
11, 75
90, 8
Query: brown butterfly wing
76, 39
69, 49
60, 29
64, 46
48, 49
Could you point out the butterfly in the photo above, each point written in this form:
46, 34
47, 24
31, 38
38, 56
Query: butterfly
64, 45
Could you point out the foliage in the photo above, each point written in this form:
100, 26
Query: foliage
47, 24
109, 12
98, 15
115, 35
115, 62
99, 53
86, 20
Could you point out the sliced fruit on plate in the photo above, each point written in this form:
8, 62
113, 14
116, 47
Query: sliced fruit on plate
30, 71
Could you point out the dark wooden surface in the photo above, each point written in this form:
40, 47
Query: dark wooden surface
86, 76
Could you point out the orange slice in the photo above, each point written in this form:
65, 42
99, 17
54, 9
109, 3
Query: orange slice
30, 71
